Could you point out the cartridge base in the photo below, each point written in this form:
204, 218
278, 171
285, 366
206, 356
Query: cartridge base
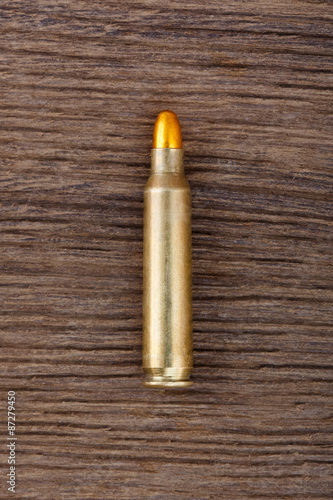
167, 377
167, 384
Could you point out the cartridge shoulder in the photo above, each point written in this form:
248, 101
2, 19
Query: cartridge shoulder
167, 181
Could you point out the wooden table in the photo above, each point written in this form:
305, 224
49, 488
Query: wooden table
81, 85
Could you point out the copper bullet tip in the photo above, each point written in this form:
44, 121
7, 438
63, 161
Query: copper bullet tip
167, 131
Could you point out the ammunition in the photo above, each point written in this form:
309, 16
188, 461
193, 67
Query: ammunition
167, 262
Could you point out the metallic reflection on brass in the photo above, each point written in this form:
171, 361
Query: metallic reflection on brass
167, 294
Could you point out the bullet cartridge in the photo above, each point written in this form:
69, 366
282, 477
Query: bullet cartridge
167, 267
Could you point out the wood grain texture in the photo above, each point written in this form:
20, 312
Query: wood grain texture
81, 84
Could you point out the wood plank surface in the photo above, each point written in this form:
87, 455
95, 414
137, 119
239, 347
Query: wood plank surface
81, 83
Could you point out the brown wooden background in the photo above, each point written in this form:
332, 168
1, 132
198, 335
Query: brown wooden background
81, 85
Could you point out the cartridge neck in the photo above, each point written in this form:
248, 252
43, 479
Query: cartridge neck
167, 161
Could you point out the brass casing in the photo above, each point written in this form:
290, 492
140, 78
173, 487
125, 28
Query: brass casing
167, 273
